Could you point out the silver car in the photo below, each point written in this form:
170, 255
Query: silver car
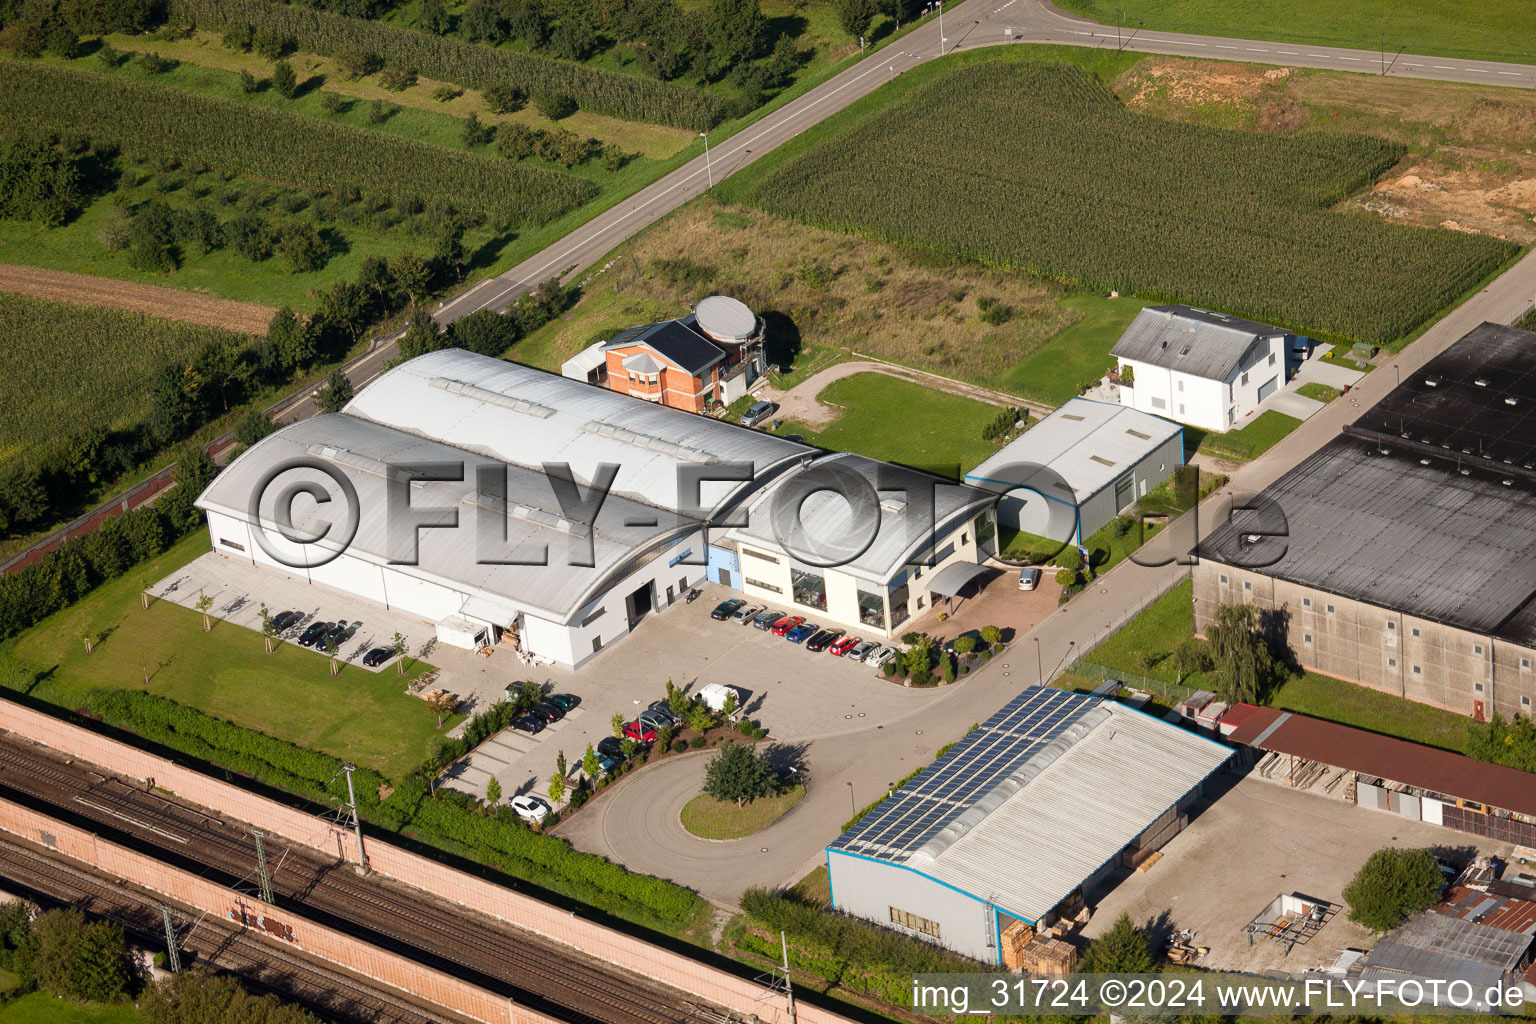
766, 619
744, 614
877, 659
862, 650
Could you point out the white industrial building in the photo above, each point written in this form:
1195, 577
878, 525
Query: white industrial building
1025, 817
519, 432
1206, 369
1069, 475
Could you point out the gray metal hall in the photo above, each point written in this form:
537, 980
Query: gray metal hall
1018, 824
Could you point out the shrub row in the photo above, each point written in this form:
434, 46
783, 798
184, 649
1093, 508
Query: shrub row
267, 143
469, 64
446, 819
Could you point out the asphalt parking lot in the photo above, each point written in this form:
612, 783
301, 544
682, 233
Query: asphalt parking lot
239, 589
1257, 840
796, 694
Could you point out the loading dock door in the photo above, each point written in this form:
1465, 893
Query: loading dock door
640, 603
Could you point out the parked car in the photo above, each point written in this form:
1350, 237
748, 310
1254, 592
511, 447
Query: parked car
653, 719
844, 645
611, 747
549, 711
607, 765
756, 413
639, 732
862, 650
821, 641
725, 609
316, 630
766, 618
282, 620
531, 808
377, 657
801, 633
1029, 578
787, 623
877, 659
662, 707
743, 615
337, 633
530, 724
564, 701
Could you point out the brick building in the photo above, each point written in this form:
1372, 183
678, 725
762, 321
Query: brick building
1402, 554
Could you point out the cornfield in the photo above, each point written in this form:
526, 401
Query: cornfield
469, 64
261, 142
65, 369
1040, 168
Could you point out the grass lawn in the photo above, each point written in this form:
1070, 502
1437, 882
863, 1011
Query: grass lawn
1325, 697
361, 715
884, 417
1058, 369
1339, 355
1251, 441
42, 1008
815, 887
709, 818
1472, 29
1319, 392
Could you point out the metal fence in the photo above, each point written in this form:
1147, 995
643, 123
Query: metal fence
1172, 693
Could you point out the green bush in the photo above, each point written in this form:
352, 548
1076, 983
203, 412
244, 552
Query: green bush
556, 106
678, 746
697, 742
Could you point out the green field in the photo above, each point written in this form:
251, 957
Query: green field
1258, 437
42, 1008
290, 695
1473, 29
708, 818
898, 421
1105, 199
67, 369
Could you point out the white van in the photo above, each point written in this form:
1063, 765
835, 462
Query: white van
714, 697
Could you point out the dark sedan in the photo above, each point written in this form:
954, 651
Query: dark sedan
549, 711
611, 746
821, 641
530, 724
316, 630
377, 657
282, 620
725, 609
564, 701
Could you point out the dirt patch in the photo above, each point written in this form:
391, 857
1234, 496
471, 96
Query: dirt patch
166, 303
1479, 199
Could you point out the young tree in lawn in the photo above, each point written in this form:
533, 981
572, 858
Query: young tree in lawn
1124, 949
204, 602
1189, 656
332, 647
736, 772
398, 648
1393, 885
268, 630
493, 792
1245, 667
442, 702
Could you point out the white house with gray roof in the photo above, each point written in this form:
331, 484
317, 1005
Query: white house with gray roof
1207, 369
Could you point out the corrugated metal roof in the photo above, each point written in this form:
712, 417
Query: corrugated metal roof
1193, 341
1036, 799
363, 452
1438, 771
1085, 443
646, 450
1430, 945
1507, 913
833, 528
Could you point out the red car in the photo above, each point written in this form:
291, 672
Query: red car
844, 645
639, 733
786, 624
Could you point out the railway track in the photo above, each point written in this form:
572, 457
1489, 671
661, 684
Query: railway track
532, 971
42, 876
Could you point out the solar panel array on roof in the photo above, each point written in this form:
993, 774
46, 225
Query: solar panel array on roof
978, 763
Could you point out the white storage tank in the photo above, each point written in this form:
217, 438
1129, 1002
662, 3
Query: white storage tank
726, 319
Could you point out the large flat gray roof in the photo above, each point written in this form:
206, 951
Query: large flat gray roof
1193, 341
1085, 444
1035, 799
1425, 506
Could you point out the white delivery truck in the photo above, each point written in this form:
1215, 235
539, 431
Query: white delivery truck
714, 696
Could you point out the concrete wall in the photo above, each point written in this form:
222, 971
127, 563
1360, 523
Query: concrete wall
1376, 647
431, 876
871, 889
269, 922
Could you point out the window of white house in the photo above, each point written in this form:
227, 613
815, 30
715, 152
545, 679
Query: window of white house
597, 644
760, 556
231, 544
917, 924
763, 586
1271, 359
1158, 403
1181, 385
1245, 379
1181, 408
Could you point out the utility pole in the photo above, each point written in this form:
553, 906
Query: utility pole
789, 988
1383, 51
1118, 22
943, 39
264, 876
172, 955
357, 820
708, 168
